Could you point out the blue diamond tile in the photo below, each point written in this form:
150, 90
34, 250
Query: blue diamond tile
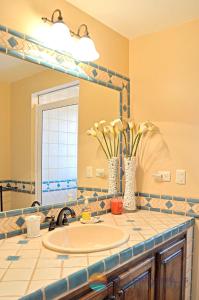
23, 242
148, 199
95, 194
168, 204
94, 72
12, 41
102, 204
20, 221
62, 257
13, 258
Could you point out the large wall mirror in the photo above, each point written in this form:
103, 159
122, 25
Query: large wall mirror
45, 153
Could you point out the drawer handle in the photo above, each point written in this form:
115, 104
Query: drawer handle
120, 293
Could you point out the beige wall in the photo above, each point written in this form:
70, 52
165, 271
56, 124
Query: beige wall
25, 16
164, 71
4, 131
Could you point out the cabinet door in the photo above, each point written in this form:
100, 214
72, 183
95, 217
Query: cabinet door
138, 282
105, 294
171, 263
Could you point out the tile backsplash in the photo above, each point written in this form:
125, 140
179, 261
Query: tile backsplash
13, 222
170, 204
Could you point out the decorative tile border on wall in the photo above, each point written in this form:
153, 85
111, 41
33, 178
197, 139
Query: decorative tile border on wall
29, 187
24, 47
12, 222
58, 185
185, 206
18, 186
83, 192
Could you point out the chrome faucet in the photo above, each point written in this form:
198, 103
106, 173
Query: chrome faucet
62, 216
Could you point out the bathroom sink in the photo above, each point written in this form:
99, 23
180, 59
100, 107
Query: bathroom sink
85, 238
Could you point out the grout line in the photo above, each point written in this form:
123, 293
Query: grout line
33, 272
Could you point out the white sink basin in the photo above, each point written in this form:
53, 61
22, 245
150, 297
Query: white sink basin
85, 238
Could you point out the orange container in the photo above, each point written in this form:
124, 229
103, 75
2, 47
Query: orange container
116, 206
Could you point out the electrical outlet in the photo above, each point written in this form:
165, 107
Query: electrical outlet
162, 176
180, 176
100, 173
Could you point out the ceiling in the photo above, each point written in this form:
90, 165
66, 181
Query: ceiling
13, 69
133, 18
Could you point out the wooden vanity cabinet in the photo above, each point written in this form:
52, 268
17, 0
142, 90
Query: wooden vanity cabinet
137, 282
157, 275
170, 275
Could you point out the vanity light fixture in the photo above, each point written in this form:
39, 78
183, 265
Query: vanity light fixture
79, 45
59, 37
84, 48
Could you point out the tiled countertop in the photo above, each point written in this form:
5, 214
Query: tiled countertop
26, 266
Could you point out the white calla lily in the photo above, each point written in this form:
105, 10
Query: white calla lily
92, 132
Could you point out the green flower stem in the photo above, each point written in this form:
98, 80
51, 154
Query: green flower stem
118, 142
114, 146
126, 145
102, 147
133, 144
111, 149
138, 140
106, 144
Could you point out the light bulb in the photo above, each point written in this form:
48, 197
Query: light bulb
59, 37
85, 50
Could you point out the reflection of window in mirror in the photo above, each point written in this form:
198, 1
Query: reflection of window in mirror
57, 137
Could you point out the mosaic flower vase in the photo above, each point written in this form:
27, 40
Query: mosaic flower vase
129, 194
113, 164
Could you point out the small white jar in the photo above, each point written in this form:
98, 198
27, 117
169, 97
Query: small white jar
33, 226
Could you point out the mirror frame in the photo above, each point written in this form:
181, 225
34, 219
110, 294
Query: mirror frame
27, 48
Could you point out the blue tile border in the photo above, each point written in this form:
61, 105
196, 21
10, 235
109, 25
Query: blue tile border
169, 203
33, 296
96, 268
77, 279
126, 255
55, 289
111, 262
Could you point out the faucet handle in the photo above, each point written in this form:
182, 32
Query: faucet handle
73, 214
52, 224
65, 220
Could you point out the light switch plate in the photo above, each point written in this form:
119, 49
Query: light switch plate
180, 176
89, 172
